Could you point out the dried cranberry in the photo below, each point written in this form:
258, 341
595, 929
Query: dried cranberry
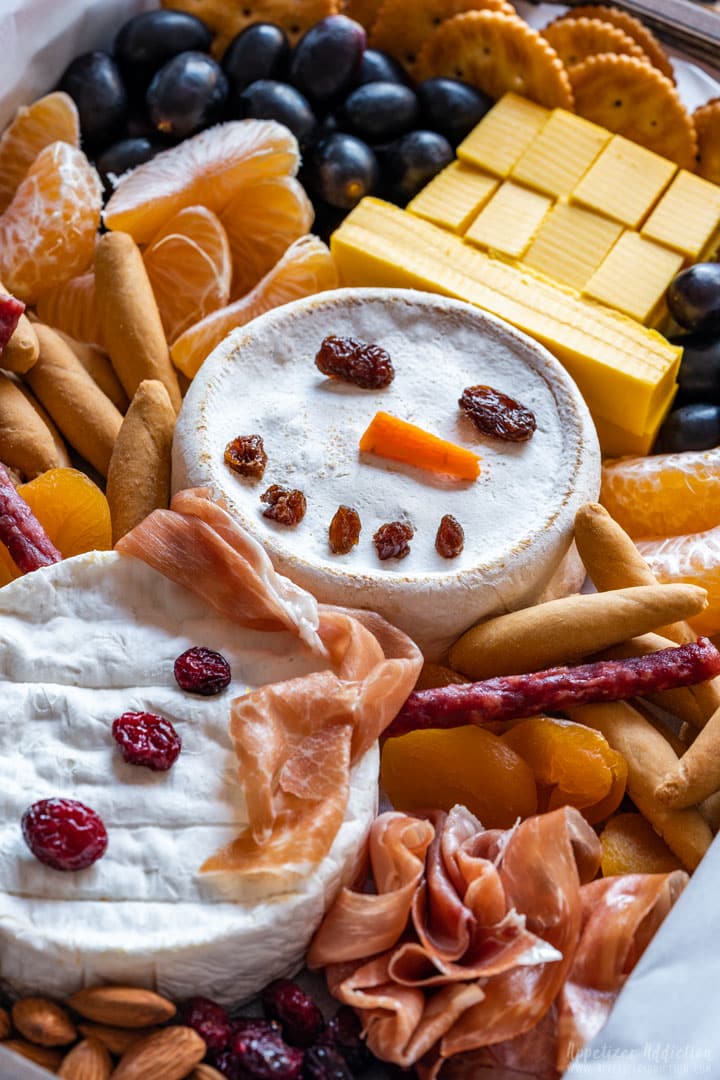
246, 455
147, 739
450, 538
342, 1033
264, 1055
325, 1063
392, 541
494, 413
254, 1025
64, 833
202, 671
284, 505
344, 531
209, 1019
226, 1063
300, 1017
366, 366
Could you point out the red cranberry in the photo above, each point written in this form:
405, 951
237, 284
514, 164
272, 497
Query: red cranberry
254, 1025
209, 1020
147, 739
202, 671
64, 833
263, 1055
325, 1063
226, 1063
342, 1033
300, 1017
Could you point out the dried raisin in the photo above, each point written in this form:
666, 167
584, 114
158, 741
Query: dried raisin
344, 531
284, 505
392, 540
496, 414
450, 538
367, 366
246, 455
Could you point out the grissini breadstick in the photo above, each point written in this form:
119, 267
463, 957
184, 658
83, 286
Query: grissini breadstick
682, 701
27, 445
98, 366
22, 350
129, 317
710, 810
85, 416
567, 630
139, 475
648, 756
697, 774
62, 451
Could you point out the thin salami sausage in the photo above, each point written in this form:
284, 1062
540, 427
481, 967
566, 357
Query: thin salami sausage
22, 534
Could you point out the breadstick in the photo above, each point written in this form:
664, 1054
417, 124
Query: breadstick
683, 701
62, 451
98, 366
139, 475
567, 630
22, 350
27, 445
649, 756
710, 810
88, 420
697, 774
129, 317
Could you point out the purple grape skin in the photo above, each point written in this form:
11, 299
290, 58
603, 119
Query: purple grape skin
326, 61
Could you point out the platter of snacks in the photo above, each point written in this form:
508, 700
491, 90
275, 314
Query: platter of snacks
359, 571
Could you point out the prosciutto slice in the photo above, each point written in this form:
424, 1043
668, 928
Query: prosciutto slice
295, 741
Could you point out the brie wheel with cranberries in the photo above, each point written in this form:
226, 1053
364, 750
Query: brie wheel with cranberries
81, 643
517, 516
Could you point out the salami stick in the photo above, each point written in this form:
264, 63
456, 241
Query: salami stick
20, 531
513, 696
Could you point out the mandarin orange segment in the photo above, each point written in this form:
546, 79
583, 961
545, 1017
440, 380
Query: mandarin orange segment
306, 268
47, 234
573, 763
467, 765
630, 845
206, 170
71, 307
53, 118
692, 558
261, 223
72, 509
665, 494
190, 269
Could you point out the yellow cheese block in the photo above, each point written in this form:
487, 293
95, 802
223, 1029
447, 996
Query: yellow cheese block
634, 276
502, 134
625, 181
571, 243
615, 441
624, 370
509, 221
454, 196
561, 154
687, 217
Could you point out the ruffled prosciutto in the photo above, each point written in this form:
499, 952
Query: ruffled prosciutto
295, 741
492, 950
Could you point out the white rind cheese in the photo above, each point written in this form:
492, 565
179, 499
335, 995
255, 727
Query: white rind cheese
518, 516
80, 643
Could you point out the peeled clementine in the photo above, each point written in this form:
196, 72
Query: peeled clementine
53, 118
70, 307
692, 558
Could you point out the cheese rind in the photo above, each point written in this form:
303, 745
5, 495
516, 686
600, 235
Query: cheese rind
624, 182
503, 134
687, 217
454, 197
570, 244
509, 221
560, 154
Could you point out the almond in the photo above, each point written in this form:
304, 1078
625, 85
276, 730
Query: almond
89, 1060
116, 1040
41, 1055
43, 1022
169, 1054
5, 1024
205, 1072
122, 1006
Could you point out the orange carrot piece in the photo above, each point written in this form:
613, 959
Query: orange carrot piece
389, 437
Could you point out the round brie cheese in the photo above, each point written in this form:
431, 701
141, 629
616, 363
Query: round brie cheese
517, 516
82, 642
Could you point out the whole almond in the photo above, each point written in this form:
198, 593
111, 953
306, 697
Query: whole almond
116, 1040
89, 1060
122, 1006
5, 1024
205, 1072
41, 1055
169, 1054
43, 1022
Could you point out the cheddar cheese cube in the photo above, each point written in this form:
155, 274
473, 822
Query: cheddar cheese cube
571, 243
560, 154
625, 181
615, 441
509, 221
502, 134
454, 196
634, 276
687, 218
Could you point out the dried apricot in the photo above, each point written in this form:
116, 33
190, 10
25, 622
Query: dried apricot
630, 845
467, 765
573, 764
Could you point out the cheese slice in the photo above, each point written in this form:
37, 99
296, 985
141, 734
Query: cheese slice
625, 181
570, 244
687, 218
634, 277
503, 134
510, 220
454, 196
560, 154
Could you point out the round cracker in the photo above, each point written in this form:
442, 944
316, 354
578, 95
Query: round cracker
497, 53
402, 28
226, 18
574, 40
363, 11
706, 119
630, 26
631, 98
